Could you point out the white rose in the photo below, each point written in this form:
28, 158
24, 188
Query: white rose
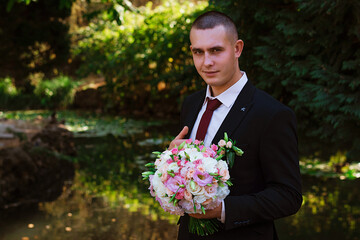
173, 167
159, 187
210, 165
200, 198
221, 165
222, 192
228, 144
197, 190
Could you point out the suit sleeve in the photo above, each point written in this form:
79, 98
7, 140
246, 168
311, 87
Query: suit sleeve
278, 157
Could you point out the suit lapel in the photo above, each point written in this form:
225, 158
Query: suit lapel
237, 112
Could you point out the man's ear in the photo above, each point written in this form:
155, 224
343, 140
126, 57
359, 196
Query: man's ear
239, 45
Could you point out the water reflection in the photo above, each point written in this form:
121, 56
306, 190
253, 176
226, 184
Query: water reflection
108, 200
331, 210
80, 215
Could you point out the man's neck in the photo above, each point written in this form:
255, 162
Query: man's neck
216, 91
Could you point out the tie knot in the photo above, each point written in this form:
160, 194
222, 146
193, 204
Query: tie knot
213, 104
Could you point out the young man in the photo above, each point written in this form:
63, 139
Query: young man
266, 179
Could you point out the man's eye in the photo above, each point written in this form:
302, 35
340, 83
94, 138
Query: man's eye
197, 52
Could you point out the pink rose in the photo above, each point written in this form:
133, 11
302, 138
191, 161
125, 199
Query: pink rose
210, 152
201, 168
173, 183
228, 144
205, 155
224, 173
210, 191
190, 173
207, 201
187, 195
222, 143
188, 141
164, 176
180, 194
174, 151
214, 147
197, 162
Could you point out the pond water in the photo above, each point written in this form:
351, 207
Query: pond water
108, 200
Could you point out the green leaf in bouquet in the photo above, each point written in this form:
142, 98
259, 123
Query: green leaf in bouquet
229, 183
219, 157
202, 209
148, 173
226, 138
150, 165
214, 174
187, 156
238, 151
156, 153
173, 196
230, 156
181, 145
171, 173
192, 185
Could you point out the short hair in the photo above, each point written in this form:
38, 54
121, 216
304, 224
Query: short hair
213, 19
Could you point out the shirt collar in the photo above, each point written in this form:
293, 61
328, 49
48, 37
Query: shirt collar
229, 96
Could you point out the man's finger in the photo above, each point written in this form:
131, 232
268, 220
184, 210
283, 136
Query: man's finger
183, 133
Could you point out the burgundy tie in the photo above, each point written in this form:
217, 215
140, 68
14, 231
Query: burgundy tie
206, 117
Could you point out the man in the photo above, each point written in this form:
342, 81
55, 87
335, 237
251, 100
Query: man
266, 179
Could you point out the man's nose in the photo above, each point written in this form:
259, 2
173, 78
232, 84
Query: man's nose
208, 61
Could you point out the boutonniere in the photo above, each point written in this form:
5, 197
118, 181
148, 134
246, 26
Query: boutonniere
228, 149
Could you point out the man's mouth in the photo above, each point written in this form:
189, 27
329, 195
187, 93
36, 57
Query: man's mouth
210, 73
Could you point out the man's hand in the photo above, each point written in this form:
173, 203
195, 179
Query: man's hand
179, 138
213, 213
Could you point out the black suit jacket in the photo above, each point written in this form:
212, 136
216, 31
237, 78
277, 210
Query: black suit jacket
266, 179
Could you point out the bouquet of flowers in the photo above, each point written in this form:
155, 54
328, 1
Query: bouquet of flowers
192, 178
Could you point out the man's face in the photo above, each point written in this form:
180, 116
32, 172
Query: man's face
215, 56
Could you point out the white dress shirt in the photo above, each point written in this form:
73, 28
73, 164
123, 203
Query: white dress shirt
227, 98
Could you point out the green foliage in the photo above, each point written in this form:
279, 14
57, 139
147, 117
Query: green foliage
145, 61
33, 38
111, 10
7, 88
52, 93
7, 91
307, 55
56, 93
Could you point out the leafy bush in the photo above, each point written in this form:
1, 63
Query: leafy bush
56, 93
7, 91
146, 60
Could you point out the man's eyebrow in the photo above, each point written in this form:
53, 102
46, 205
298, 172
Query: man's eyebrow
196, 49
217, 47
211, 48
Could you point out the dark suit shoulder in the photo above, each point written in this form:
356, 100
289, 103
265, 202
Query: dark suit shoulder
268, 104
